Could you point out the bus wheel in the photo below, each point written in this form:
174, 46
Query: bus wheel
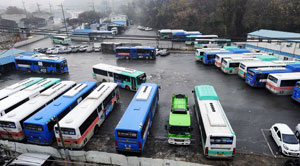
127, 88
28, 70
104, 80
126, 57
147, 57
151, 57
96, 129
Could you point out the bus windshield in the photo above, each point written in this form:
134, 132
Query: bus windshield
221, 140
210, 57
251, 73
66, 131
273, 79
33, 127
127, 134
298, 85
184, 130
7, 124
141, 79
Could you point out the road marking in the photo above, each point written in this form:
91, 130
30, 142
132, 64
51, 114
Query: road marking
262, 131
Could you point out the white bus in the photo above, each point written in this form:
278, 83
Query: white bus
245, 66
19, 98
220, 58
218, 139
282, 83
231, 66
212, 43
79, 125
11, 124
18, 86
200, 52
192, 38
125, 78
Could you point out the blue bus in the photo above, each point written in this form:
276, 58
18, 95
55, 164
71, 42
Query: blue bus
240, 51
41, 63
137, 52
296, 92
39, 128
182, 36
257, 77
133, 128
209, 55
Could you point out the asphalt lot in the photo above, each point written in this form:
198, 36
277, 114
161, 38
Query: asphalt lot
249, 110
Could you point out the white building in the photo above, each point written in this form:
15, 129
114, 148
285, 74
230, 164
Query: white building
284, 45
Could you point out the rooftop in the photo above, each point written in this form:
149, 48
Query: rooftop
276, 34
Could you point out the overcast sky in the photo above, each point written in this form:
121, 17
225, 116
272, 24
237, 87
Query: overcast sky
30, 4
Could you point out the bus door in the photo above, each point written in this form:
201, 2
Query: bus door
42, 68
133, 83
110, 77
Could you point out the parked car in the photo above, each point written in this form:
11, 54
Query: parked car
31, 159
297, 132
163, 52
67, 50
37, 49
75, 49
43, 50
285, 139
61, 50
148, 29
55, 51
90, 49
83, 48
141, 28
50, 50
97, 49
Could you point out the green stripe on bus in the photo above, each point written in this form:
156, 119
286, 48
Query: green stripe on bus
53, 81
216, 152
34, 80
240, 71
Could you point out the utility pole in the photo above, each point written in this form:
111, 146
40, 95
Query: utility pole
50, 7
62, 8
94, 5
38, 6
24, 8
62, 140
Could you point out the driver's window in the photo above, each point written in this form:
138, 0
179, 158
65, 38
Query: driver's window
276, 129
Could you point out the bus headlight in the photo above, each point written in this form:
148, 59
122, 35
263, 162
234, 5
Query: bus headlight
285, 147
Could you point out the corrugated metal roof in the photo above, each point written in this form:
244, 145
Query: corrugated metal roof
119, 22
290, 36
9, 56
82, 31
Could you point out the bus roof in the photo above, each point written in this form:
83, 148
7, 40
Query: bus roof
170, 30
137, 108
119, 70
42, 57
138, 47
89, 104
287, 76
268, 70
267, 58
27, 108
230, 47
260, 63
179, 102
60, 104
180, 119
202, 36
240, 50
293, 67
222, 51
240, 59
206, 92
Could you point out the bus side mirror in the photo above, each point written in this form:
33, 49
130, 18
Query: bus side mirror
166, 127
193, 91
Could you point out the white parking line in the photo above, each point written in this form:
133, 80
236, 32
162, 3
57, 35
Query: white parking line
262, 131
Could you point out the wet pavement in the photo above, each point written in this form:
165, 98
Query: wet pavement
249, 110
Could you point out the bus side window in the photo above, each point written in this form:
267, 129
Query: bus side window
117, 77
101, 72
110, 74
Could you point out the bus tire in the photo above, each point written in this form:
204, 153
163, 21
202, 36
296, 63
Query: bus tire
104, 80
28, 70
127, 87
126, 57
96, 129
150, 57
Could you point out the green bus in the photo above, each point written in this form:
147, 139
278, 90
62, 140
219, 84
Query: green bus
167, 33
218, 139
179, 128
192, 38
64, 40
212, 43
129, 79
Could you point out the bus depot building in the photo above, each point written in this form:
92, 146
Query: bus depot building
284, 45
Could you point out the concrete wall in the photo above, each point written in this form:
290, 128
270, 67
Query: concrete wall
92, 156
29, 41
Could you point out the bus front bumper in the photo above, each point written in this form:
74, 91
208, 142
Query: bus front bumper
179, 141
